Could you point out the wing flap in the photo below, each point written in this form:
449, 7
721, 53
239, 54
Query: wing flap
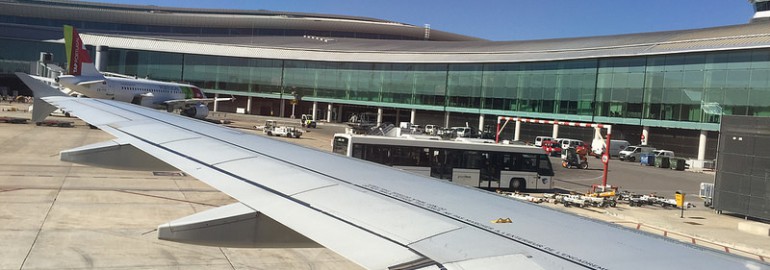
114, 155
235, 225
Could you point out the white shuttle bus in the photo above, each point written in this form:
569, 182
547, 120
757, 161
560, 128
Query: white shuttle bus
497, 166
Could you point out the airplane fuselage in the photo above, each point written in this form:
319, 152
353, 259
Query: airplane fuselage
148, 92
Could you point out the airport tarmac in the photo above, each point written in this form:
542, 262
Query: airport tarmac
59, 215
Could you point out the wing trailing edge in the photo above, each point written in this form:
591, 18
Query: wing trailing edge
235, 225
115, 155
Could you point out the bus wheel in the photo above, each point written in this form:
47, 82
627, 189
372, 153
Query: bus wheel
517, 184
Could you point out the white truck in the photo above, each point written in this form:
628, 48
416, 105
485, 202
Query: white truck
271, 128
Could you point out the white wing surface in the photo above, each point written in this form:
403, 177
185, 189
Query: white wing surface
376, 216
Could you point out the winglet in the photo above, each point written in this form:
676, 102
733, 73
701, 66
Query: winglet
79, 62
41, 108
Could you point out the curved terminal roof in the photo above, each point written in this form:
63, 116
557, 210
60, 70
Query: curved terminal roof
735, 37
215, 18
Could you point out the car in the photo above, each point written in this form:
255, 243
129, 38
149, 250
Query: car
663, 153
633, 153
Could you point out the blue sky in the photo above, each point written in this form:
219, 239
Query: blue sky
512, 19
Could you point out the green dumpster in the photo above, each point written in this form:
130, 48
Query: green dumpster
662, 162
677, 164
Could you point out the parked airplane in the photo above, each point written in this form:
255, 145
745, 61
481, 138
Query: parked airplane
86, 80
374, 215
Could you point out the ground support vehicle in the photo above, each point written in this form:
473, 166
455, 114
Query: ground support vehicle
271, 128
603, 196
706, 193
575, 158
666, 203
56, 123
522, 196
290, 132
573, 200
307, 121
13, 120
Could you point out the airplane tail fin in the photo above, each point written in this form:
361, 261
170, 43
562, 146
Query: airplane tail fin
79, 62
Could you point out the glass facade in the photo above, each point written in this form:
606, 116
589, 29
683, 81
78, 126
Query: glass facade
671, 89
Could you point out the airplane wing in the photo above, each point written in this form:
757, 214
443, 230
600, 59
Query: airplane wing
376, 216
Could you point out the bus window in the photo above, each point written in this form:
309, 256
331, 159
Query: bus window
358, 151
425, 157
471, 160
544, 166
340, 145
442, 162
490, 166
528, 163
377, 153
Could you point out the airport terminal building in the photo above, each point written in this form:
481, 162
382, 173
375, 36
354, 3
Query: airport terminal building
671, 86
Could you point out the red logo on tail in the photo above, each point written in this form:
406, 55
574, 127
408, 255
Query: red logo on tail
79, 54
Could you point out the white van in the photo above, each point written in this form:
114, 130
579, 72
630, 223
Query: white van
539, 140
632, 153
615, 147
567, 143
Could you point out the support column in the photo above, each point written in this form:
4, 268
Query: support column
555, 133
645, 135
339, 115
101, 57
702, 145
315, 108
379, 116
446, 119
216, 103
398, 117
248, 105
517, 131
329, 112
413, 116
481, 123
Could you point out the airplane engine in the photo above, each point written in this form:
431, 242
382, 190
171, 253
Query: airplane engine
199, 111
